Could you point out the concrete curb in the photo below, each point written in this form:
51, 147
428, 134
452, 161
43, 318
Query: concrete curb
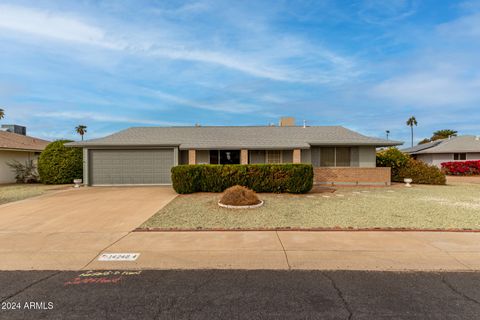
304, 229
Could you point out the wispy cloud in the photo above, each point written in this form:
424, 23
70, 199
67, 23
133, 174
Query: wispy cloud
381, 12
439, 73
42, 23
430, 89
69, 28
91, 116
366, 64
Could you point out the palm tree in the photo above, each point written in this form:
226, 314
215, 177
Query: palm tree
81, 130
2, 113
412, 122
443, 134
388, 133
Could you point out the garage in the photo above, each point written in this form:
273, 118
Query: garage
130, 167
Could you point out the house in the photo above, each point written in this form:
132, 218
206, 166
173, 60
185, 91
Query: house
456, 148
145, 155
16, 145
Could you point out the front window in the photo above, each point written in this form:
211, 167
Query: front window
327, 157
459, 156
342, 158
274, 156
335, 157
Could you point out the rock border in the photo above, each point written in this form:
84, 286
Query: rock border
253, 206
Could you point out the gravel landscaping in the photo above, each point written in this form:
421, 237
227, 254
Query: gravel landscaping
15, 192
419, 207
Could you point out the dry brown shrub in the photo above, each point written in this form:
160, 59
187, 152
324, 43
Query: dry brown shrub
239, 196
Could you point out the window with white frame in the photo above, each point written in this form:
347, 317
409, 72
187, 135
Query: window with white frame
459, 156
274, 156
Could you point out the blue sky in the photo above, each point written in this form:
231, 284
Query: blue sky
367, 65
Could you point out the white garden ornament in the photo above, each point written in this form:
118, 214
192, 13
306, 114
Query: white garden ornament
407, 182
77, 182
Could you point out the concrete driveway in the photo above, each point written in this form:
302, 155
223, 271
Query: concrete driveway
66, 230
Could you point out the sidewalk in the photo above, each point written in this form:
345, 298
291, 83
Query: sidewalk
389, 251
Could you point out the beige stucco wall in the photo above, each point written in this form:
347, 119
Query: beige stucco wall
6, 174
437, 158
473, 156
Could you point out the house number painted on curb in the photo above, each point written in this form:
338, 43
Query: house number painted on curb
118, 257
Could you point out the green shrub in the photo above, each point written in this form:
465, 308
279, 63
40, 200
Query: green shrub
393, 158
403, 166
292, 178
58, 164
421, 173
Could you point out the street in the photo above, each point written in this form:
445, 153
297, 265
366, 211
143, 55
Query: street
235, 294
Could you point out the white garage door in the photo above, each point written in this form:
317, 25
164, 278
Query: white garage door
136, 166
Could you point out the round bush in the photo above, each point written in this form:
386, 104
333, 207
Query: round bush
393, 158
58, 164
422, 173
239, 196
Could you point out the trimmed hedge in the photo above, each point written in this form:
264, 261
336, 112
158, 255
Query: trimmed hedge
461, 168
58, 164
292, 178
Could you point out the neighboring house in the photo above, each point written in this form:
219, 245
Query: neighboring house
459, 148
145, 155
17, 146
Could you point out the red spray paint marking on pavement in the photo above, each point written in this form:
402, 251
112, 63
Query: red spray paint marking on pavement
101, 277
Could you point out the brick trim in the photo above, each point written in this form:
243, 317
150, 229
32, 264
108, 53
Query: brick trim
352, 176
192, 156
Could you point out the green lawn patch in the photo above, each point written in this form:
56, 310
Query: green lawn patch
420, 207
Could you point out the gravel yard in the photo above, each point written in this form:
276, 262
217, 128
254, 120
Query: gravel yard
15, 192
422, 207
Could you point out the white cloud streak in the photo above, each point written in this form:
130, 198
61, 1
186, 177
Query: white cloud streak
108, 118
45, 24
71, 29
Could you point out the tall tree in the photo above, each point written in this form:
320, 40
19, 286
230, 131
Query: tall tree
2, 113
412, 122
443, 134
426, 140
81, 130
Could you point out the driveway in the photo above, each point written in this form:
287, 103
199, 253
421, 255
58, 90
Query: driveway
68, 229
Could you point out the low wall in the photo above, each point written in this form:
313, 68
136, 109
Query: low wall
352, 176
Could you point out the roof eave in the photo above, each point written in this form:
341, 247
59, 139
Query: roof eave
21, 149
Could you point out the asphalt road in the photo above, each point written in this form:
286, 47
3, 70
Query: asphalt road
239, 295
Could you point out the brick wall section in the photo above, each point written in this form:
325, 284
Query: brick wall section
352, 176
244, 156
192, 156
297, 156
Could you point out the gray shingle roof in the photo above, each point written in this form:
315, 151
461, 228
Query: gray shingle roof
422, 146
254, 137
458, 144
